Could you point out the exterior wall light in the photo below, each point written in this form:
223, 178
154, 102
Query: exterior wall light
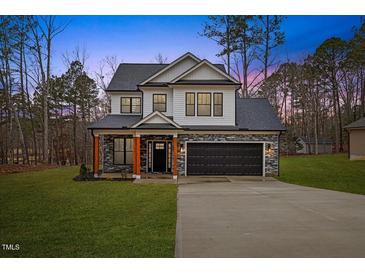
270, 149
182, 148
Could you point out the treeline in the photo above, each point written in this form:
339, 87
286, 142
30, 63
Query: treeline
43, 117
314, 97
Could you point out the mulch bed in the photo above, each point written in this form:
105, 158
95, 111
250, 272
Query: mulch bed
18, 168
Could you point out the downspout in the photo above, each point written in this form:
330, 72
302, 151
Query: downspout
279, 153
235, 105
92, 134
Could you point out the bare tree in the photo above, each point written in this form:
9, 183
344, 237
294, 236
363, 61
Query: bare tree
272, 37
160, 59
44, 30
106, 69
221, 30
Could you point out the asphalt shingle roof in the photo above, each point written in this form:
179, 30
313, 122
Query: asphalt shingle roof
115, 121
128, 76
256, 114
251, 114
357, 124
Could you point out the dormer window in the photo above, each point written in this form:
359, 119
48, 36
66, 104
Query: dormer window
130, 105
159, 102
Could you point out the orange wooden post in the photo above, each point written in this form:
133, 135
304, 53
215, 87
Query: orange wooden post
138, 155
134, 156
96, 156
174, 159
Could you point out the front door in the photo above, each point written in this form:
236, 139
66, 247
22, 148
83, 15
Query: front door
159, 157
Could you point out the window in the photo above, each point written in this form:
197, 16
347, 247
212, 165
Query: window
130, 105
160, 146
190, 104
204, 104
123, 151
159, 102
218, 104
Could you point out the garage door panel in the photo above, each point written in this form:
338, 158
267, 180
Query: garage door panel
224, 159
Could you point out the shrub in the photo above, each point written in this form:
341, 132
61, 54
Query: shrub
83, 171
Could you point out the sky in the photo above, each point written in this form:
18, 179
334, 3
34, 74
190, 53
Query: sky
141, 38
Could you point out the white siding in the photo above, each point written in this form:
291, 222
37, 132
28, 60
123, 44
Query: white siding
204, 72
228, 117
156, 120
115, 100
175, 70
148, 100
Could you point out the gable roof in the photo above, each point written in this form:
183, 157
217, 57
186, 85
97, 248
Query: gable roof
158, 114
357, 124
203, 62
178, 60
256, 114
129, 75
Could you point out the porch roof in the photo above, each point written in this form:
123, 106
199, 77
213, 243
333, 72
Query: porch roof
115, 121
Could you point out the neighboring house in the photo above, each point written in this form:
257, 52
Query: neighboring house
308, 146
184, 118
356, 133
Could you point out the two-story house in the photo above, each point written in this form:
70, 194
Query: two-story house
184, 118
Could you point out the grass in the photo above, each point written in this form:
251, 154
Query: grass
50, 215
333, 171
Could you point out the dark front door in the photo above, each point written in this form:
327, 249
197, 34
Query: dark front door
159, 157
224, 159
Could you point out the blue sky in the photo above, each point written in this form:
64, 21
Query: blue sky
141, 38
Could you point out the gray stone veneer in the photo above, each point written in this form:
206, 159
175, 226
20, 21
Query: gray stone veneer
108, 155
271, 157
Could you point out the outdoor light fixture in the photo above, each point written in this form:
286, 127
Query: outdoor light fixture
182, 148
269, 148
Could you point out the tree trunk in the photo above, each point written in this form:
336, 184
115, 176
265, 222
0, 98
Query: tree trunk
21, 74
29, 106
228, 39
266, 54
74, 135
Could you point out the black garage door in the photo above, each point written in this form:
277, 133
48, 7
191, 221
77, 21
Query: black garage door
224, 159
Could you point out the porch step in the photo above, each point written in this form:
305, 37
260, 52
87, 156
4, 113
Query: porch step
115, 175
155, 181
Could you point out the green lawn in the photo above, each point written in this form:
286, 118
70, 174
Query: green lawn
50, 215
324, 171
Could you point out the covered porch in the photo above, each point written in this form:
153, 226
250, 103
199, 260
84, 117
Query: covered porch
138, 154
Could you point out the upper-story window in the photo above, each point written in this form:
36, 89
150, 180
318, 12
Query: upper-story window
218, 104
130, 105
204, 104
159, 102
190, 104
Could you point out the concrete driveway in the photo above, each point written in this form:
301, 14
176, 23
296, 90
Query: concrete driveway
232, 217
